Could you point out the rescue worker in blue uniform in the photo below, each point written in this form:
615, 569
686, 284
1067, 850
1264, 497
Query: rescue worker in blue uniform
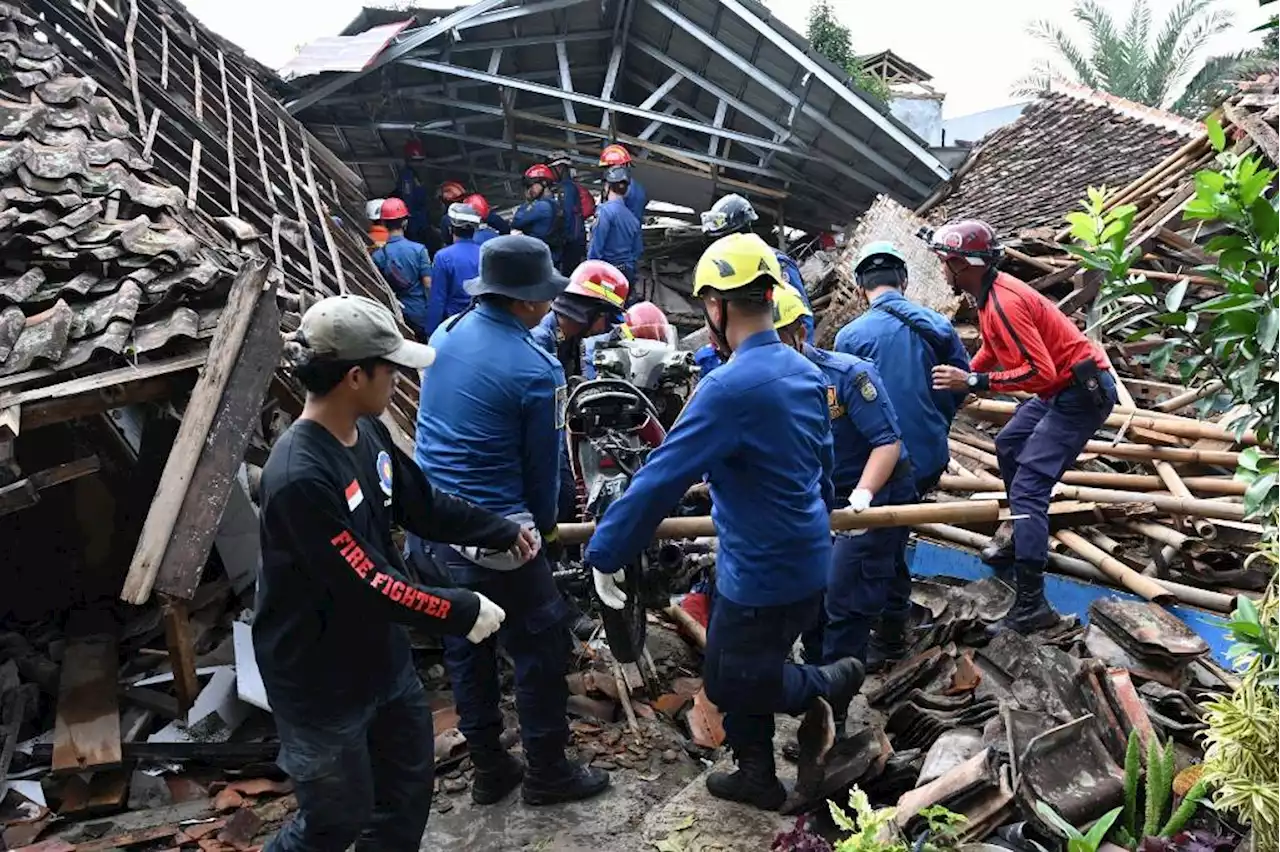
906, 341
492, 224
575, 223
616, 237
637, 198
406, 267
872, 468
455, 265
541, 215
490, 427
411, 190
734, 214
759, 428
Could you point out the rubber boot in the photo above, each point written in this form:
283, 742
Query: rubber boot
1030, 611
497, 773
553, 778
754, 782
888, 644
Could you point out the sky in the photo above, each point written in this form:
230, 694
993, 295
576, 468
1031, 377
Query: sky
975, 50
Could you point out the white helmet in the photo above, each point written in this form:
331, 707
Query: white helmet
373, 209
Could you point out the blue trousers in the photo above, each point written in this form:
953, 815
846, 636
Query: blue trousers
363, 777
746, 670
868, 578
1037, 445
535, 634
573, 253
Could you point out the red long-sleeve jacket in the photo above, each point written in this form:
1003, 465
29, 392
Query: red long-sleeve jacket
1034, 343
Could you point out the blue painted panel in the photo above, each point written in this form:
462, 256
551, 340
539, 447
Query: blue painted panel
1066, 594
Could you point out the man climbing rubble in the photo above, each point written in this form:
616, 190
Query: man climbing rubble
490, 429
405, 266
759, 428
1027, 345
334, 597
905, 341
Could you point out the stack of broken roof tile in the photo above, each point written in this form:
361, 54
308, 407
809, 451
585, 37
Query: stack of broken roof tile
98, 260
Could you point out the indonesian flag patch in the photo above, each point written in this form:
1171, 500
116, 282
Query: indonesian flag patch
354, 495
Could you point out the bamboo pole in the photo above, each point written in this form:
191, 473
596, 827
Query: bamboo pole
688, 625
1182, 400
963, 472
1114, 568
1216, 485
1182, 427
1172, 505
963, 511
1162, 534
979, 441
1082, 570
982, 457
1179, 455
1178, 488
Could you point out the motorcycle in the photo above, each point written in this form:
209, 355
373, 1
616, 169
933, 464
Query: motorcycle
614, 422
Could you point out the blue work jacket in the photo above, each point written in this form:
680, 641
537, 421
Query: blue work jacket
404, 264
637, 199
411, 191
791, 272
536, 218
905, 357
862, 417
455, 264
616, 237
491, 417
707, 359
483, 235
759, 428
550, 337
575, 227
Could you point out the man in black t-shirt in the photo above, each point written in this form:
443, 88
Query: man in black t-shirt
335, 597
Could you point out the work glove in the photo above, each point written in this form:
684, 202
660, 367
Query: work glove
611, 595
488, 620
860, 499
552, 547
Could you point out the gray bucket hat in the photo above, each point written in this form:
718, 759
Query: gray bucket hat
518, 267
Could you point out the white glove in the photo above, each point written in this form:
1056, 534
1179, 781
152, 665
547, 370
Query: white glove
860, 499
607, 588
488, 620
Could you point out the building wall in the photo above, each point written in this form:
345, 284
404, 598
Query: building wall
969, 129
921, 114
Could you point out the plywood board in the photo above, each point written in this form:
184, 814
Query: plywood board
87, 731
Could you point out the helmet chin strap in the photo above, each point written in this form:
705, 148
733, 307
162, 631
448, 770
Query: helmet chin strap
719, 332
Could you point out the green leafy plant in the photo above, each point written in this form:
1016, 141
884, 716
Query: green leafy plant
831, 38
1155, 796
1076, 840
874, 830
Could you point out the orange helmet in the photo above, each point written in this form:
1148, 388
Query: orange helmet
413, 150
478, 203
646, 320
393, 209
615, 155
539, 172
602, 281
451, 191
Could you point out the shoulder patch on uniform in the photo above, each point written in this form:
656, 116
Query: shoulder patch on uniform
866, 387
562, 405
834, 408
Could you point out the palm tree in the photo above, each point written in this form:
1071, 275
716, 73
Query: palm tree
1127, 63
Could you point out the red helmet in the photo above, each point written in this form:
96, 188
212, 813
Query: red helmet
596, 279
615, 155
478, 203
393, 209
413, 150
645, 319
971, 239
451, 191
539, 172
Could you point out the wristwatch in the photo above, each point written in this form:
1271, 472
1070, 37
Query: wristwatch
976, 381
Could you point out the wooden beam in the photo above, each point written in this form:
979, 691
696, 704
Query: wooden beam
221, 453
182, 652
91, 403
87, 730
26, 492
98, 381
196, 422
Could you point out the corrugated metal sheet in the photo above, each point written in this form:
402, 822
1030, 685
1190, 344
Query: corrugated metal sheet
753, 108
341, 53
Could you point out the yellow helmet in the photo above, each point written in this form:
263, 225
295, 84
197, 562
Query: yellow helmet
788, 306
734, 262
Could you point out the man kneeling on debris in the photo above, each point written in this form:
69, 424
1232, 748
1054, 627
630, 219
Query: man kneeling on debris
759, 427
334, 597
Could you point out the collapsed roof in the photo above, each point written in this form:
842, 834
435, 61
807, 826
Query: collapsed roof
1030, 173
713, 96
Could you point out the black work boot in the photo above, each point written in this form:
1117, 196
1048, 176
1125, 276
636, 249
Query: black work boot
888, 643
1030, 611
754, 782
497, 773
844, 678
562, 781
